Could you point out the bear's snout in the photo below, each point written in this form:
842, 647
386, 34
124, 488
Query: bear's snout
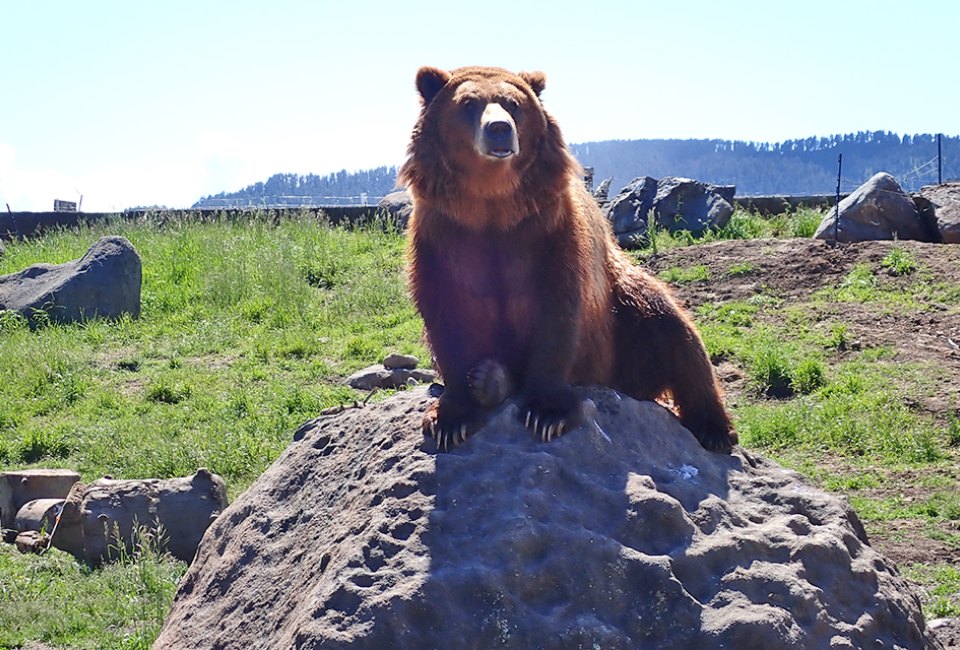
498, 134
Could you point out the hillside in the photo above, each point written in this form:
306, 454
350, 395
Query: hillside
807, 166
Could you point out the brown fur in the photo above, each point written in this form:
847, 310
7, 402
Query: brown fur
515, 271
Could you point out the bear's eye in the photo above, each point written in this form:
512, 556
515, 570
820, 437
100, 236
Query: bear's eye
510, 104
470, 107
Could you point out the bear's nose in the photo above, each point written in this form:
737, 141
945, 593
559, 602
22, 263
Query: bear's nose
498, 128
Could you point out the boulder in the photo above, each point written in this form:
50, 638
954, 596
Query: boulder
878, 209
629, 209
108, 514
602, 191
398, 205
104, 283
19, 487
944, 205
677, 204
623, 533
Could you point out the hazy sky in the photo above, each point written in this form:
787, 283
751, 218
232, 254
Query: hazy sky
138, 103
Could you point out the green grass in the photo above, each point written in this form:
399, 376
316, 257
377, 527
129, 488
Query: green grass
941, 597
742, 225
244, 329
698, 273
55, 600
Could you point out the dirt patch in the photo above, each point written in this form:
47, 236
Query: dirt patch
794, 270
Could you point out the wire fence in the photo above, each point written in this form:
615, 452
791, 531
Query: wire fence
298, 201
942, 166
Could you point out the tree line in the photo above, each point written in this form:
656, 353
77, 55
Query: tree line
801, 166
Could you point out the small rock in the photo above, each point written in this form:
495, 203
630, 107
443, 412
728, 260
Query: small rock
396, 360
31, 541
378, 376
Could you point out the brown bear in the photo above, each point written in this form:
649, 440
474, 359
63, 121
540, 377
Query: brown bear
518, 278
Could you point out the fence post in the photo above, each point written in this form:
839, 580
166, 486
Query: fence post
836, 218
939, 162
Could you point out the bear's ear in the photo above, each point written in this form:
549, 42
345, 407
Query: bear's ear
430, 81
536, 80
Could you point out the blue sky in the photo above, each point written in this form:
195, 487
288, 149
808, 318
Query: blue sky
135, 103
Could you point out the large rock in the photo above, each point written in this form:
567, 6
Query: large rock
878, 209
676, 203
684, 204
398, 205
623, 533
629, 209
104, 283
944, 203
100, 518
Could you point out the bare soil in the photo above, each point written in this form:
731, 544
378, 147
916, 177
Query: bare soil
795, 269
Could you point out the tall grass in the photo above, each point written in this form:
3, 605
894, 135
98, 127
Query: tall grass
244, 328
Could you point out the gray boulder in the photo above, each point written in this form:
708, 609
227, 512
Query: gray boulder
878, 209
629, 209
104, 283
19, 487
943, 204
103, 516
684, 204
623, 533
676, 203
398, 205
602, 191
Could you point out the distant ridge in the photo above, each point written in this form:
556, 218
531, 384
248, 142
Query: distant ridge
806, 166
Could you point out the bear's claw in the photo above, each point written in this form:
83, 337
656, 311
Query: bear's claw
447, 426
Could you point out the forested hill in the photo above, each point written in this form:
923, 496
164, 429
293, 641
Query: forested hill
806, 166
340, 188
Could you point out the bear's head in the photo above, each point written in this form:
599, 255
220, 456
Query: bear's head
483, 133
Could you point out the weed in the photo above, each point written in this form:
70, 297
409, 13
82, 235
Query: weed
899, 262
839, 337
807, 376
742, 268
953, 430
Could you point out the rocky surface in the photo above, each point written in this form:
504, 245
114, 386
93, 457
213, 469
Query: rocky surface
104, 283
878, 209
623, 533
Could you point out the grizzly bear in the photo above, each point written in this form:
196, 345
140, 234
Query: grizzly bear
516, 273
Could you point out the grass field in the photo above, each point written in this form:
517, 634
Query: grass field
247, 330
